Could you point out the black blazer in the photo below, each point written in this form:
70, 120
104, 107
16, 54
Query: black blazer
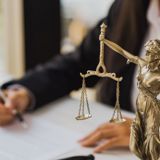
127, 26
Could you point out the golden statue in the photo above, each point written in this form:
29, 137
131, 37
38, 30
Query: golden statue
145, 129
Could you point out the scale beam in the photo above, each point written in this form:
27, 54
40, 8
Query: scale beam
101, 71
102, 75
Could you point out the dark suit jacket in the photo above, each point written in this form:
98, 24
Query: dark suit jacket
127, 26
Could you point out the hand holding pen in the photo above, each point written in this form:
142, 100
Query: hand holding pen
13, 102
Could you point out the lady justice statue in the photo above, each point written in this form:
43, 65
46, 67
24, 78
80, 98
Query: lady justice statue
145, 129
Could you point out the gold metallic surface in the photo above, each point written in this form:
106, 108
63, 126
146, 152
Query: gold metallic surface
117, 115
145, 129
100, 71
84, 112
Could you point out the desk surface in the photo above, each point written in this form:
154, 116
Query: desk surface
52, 133
63, 113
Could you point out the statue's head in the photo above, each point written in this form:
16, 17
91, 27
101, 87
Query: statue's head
153, 54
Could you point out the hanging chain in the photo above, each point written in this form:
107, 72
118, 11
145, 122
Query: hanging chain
117, 95
117, 115
84, 99
85, 96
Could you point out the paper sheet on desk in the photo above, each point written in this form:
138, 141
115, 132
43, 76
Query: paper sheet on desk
40, 141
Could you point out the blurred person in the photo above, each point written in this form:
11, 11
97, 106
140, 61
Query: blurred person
130, 24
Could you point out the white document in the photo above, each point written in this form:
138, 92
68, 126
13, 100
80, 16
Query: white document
53, 132
42, 140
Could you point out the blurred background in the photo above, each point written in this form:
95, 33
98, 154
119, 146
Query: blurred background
34, 31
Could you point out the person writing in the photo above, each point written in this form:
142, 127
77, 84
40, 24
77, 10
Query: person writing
130, 25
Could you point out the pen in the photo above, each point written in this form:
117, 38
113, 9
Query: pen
89, 157
15, 112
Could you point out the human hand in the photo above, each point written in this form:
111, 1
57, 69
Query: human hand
108, 136
15, 99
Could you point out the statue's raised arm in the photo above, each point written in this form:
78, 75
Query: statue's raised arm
130, 57
145, 129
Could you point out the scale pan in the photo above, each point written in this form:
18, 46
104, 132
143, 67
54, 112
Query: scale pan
83, 117
117, 120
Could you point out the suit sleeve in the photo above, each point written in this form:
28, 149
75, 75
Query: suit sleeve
61, 75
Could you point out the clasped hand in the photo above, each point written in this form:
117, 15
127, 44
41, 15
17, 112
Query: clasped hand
15, 99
